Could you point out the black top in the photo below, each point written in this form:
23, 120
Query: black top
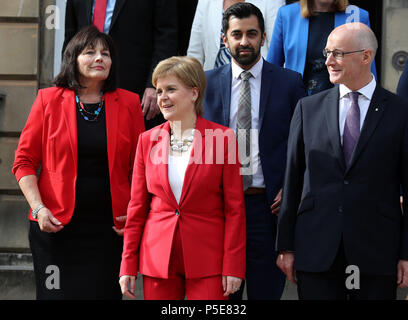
316, 76
93, 198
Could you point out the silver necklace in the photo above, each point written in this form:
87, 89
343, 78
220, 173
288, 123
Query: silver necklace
183, 144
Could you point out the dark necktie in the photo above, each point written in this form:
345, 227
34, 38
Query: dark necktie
244, 128
351, 127
99, 14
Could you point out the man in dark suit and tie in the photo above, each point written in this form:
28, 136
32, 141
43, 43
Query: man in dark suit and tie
256, 99
144, 32
341, 231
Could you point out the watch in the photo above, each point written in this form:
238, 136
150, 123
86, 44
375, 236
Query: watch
34, 213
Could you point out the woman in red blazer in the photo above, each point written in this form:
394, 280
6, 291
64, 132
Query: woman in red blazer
185, 230
83, 135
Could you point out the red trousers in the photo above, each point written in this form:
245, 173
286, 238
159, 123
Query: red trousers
177, 287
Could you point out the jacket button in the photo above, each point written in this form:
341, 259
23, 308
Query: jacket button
177, 212
340, 209
346, 182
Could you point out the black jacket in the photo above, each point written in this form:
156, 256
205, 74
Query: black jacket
325, 201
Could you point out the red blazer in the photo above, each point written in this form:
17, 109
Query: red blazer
210, 215
49, 139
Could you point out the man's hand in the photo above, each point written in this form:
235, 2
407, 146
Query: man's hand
149, 104
402, 274
275, 207
285, 262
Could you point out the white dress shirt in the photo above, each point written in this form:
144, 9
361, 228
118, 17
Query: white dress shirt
364, 100
255, 85
177, 170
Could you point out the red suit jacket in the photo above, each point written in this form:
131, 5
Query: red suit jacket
49, 139
210, 215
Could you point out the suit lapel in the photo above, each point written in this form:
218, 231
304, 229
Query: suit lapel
161, 154
374, 114
88, 9
332, 117
112, 124
118, 6
69, 114
198, 146
303, 35
266, 88
225, 85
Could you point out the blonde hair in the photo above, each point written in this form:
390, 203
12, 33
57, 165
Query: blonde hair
307, 11
189, 71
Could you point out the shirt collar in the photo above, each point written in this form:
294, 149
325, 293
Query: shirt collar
366, 91
256, 69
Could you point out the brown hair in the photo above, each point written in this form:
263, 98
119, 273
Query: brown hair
89, 36
306, 7
189, 71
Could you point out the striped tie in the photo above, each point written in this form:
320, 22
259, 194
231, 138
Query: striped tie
244, 128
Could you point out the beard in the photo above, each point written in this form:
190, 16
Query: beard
247, 59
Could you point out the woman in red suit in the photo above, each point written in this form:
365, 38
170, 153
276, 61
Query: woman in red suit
83, 134
185, 230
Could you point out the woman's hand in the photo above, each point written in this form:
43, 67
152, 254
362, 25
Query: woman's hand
47, 222
120, 231
124, 282
230, 284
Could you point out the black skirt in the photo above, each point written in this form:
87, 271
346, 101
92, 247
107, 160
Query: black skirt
79, 262
82, 261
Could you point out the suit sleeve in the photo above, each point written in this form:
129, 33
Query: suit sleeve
404, 183
136, 215
299, 91
28, 156
293, 184
164, 34
234, 211
276, 53
196, 46
402, 89
70, 24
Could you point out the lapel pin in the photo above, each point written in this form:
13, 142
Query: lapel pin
376, 109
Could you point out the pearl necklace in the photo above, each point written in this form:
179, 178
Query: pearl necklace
181, 145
